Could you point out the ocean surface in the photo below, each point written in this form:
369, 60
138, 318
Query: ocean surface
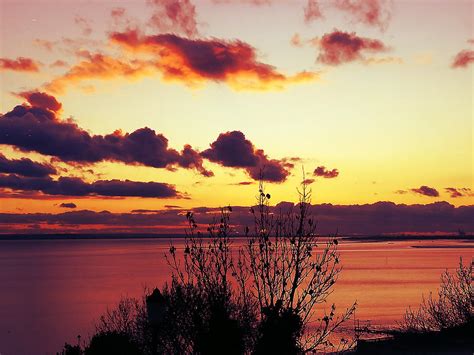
53, 290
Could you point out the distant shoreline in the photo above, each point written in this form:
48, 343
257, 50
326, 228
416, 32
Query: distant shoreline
354, 238
443, 246
395, 238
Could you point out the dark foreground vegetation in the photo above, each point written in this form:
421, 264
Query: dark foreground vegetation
268, 297
443, 324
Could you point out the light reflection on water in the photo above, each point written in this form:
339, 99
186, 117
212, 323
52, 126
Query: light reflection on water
52, 290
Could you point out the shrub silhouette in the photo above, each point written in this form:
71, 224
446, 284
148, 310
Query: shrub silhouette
275, 281
128, 318
70, 350
453, 306
112, 343
279, 331
200, 322
254, 299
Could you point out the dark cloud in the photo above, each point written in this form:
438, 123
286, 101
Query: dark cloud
19, 64
68, 205
244, 183
369, 219
41, 100
308, 181
455, 192
463, 59
322, 171
37, 129
81, 219
145, 211
426, 191
232, 149
191, 159
168, 207
340, 47
174, 16
196, 61
375, 13
25, 167
71, 186
312, 11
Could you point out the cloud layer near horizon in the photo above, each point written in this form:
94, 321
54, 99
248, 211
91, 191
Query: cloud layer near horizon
370, 219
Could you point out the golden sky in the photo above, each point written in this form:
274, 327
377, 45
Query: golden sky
372, 98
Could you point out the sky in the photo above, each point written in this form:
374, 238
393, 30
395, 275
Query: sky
150, 108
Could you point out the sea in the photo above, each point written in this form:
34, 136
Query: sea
53, 290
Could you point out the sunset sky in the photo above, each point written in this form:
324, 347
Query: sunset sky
176, 104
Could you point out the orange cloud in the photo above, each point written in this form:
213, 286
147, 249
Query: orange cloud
19, 64
178, 59
195, 62
102, 67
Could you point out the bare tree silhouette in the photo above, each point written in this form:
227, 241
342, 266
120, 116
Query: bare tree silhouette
263, 297
277, 279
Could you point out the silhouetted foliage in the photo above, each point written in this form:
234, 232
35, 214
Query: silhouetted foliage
254, 299
217, 316
453, 307
128, 318
198, 322
279, 331
276, 280
71, 350
112, 343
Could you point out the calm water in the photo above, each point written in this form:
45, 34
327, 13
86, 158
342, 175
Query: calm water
52, 290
